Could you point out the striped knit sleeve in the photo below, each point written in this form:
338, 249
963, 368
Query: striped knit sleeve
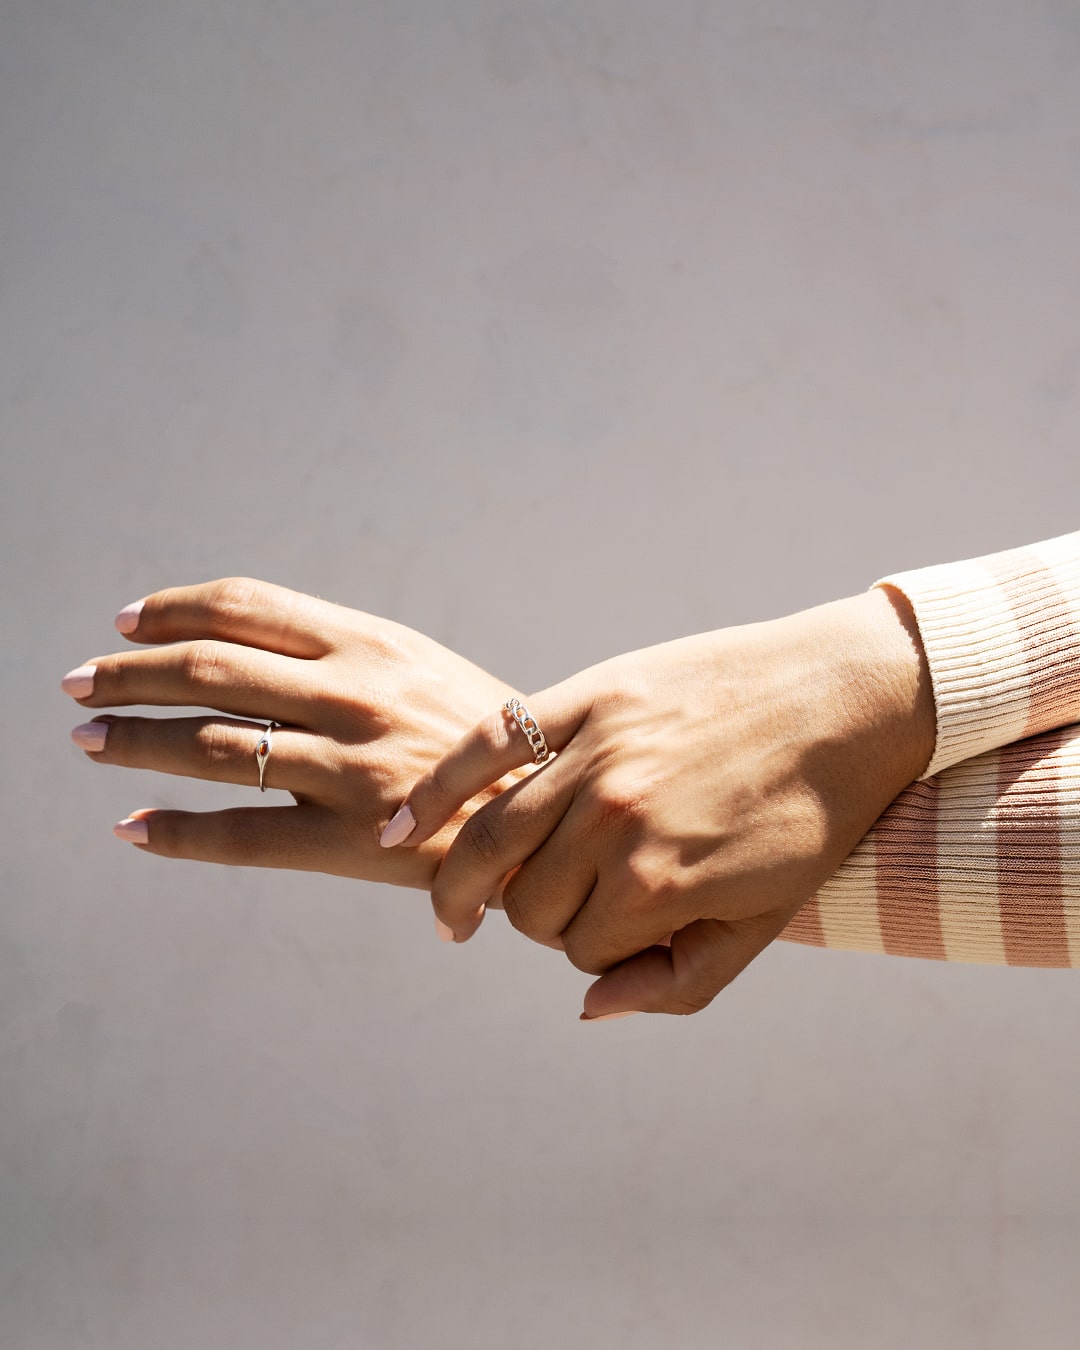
980, 863
1002, 639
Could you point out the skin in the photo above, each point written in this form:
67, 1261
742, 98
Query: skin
703, 791
367, 706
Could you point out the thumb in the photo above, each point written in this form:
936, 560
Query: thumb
703, 958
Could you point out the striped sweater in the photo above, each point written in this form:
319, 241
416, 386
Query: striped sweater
980, 859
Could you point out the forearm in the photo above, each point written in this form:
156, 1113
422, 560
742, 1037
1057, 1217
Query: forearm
980, 863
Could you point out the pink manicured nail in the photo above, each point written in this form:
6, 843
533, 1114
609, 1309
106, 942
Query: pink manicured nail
90, 735
128, 619
400, 827
609, 1017
443, 931
79, 683
134, 831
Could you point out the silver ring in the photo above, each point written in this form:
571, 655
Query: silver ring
262, 751
529, 725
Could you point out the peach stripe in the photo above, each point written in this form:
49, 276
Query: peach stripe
1029, 853
907, 884
843, 914
806, 925
975, 648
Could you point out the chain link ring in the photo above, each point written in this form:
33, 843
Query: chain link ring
529, 725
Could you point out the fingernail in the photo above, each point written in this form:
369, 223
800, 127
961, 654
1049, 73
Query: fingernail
400, 827
90, 735
134, 831
443, 931
79, 683
128, 619
609, 1017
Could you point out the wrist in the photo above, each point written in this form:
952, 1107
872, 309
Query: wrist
890, 665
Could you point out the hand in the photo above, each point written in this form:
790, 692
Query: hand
705, 789
366, 706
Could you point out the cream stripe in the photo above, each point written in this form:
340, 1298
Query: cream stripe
967, 862
975, 651
847, 903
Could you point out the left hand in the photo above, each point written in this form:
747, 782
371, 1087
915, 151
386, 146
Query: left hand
705, 789
364, 706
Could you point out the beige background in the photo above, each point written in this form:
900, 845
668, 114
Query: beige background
553, 329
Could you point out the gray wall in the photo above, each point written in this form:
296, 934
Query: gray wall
663, 317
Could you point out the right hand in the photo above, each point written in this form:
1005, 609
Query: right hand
367, 706
704, 790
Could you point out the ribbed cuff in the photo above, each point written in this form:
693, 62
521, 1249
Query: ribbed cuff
1002, 640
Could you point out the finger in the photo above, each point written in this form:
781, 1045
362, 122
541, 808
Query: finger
236, 609
627, 911
298, 837
495, 901
493, 841
206, 674
494, 747
703, 958
544, 894
213, 749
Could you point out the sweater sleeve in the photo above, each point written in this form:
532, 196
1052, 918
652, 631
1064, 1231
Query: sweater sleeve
1002, 640
980, 863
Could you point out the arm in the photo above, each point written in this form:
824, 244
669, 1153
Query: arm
980, 863
713, 849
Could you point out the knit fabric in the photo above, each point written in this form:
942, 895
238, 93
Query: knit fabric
1002, 639
980, 860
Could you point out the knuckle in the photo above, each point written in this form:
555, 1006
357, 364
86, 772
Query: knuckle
481, 839
388, 678
433, 790
386, 646
233, 598
513, 909
619, 803
649, 875
630, 696
493, 736
688, 1002
200, 662
696, 985
584, 956
213, 748
522, 915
